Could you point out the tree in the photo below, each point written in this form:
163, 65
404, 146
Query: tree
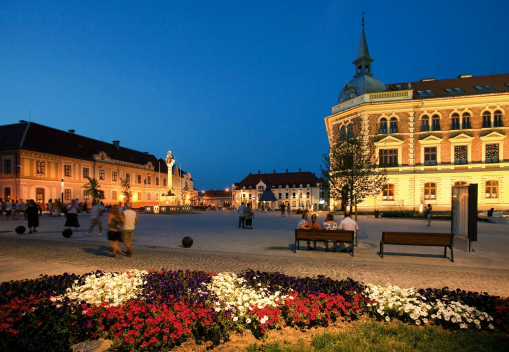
126, 188
92, 189
350, 168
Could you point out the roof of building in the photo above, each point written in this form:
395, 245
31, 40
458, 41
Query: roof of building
39, 138
462, 85
292, 179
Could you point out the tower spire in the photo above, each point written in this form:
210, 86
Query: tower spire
363, 61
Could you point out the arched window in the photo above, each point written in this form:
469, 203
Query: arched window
455, 122
497, 119
425, 123
393, 126
349, 133
486, 119
430, 190
388, 192
343, 133
491, 189
465, 121
383, 125
435, 123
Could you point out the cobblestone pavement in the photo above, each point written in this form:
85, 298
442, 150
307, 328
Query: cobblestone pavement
219, 245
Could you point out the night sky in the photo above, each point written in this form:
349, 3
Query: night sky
230, 87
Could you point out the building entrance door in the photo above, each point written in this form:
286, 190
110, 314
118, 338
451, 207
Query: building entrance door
39, 196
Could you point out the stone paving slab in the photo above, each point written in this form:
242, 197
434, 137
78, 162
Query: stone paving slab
219, 245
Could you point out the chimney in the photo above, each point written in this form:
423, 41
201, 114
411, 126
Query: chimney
286, 170
258, 172
22, 121
116, 144
300, 169
274, 170
428, 79
72, 131
465, 75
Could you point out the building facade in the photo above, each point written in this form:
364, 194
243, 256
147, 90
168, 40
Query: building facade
430, 135
41, 163
299, 190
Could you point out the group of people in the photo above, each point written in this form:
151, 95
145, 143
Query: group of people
246, 216
12, 208
347, 224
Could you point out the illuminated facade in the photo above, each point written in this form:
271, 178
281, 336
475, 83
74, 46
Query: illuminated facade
41, 163
298, 189
430, 135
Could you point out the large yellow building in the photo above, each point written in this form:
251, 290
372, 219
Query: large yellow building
430, 135
41, 163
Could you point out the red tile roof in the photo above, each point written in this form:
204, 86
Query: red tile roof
438, 87
292, 179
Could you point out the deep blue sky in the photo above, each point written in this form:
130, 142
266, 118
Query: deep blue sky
230, 87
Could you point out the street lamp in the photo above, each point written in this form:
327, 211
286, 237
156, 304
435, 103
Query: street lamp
62, 193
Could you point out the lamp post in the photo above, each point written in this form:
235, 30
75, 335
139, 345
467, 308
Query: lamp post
62, 193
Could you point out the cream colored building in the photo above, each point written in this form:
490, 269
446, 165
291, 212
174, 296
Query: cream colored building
41, 163
430, 135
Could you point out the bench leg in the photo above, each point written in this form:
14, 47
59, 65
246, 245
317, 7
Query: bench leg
445, 252
353, 250
452, 254
381, 249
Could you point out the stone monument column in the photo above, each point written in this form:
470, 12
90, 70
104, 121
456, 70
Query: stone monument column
170, 161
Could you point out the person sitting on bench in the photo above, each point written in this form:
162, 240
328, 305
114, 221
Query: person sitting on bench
348, 224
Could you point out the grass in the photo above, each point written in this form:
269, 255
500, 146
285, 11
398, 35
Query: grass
373, 336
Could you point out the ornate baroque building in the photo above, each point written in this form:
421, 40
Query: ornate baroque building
298, 189
430, 135
41, 163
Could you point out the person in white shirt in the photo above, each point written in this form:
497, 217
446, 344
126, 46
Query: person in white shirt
96, 217
130, 222
348, 224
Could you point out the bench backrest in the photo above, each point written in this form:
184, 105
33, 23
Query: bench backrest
418, 238
337, 235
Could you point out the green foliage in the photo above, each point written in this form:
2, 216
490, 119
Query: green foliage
92, 188
350, 169
126, 188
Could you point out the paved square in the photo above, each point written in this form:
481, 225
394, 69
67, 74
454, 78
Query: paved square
219, 245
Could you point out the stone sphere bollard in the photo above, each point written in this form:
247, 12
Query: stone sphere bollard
67, 233
20, 230
187, 241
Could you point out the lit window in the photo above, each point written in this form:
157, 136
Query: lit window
383, 125
388, 192
67, 194
393, 125
430, 190
486, 119
388, 157
430, 156
114, 176
465, 122
86, 172
435, 123
41, 167
497, 119
460, 154
425, 123
492, 153
101, 174
67, 170
491, 189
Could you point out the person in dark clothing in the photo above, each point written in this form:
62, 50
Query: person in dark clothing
32, 213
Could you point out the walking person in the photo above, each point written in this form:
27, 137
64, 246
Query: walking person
32, 213
130, 222
249, 216
96, 217
57, 207
8, 208
242, 215
72, 215
348, 224
283, 210
115, 221
289, 209
428, 214
50, 207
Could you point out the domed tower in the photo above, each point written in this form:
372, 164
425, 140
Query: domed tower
363, 82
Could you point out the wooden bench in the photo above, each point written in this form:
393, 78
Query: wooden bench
324, 235
418, 239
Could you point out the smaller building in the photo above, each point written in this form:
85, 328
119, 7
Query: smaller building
298, 190
218, 199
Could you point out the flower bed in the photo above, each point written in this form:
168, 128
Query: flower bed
158, 310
